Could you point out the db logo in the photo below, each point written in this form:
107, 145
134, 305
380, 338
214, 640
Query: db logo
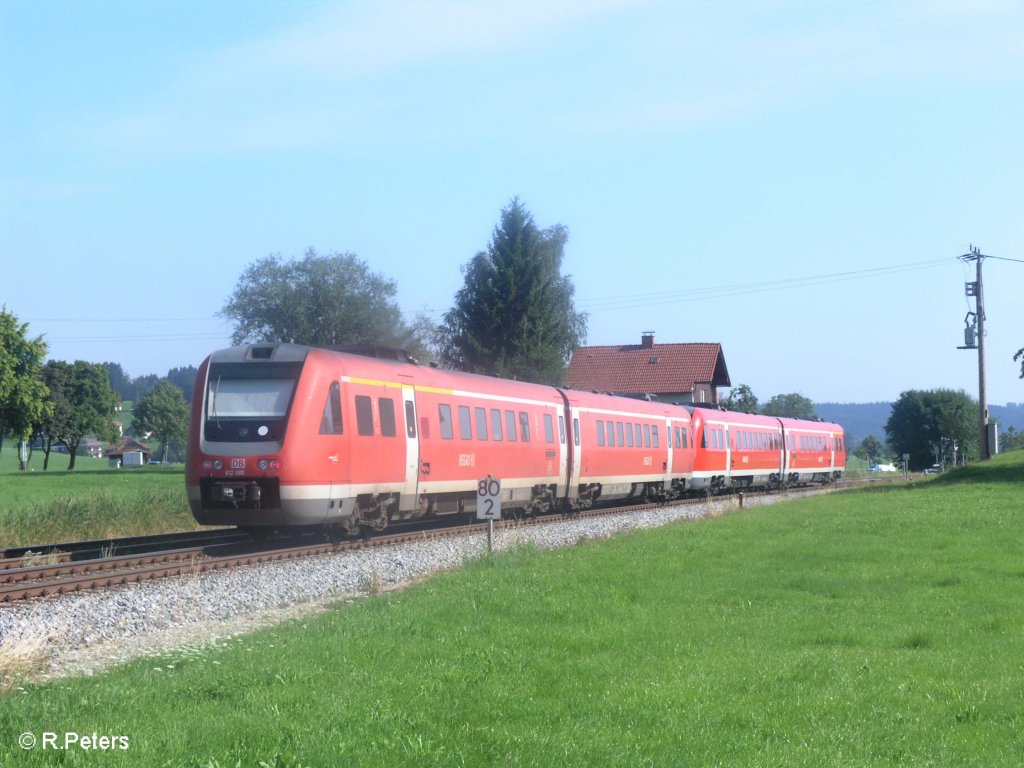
238, 463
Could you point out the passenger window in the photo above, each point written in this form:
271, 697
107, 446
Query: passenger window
410, 419
629, 435
465, 424
481, 423
576, 431
364, 415
610, 427
444, 413
647, 435
524, 426
561, 429
654, 436
620, 436
510, 425
684, 438
600, 431
549, 428
387, 417
330, 422
639, 435
496, 432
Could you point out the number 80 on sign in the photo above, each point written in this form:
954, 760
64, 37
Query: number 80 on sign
488, 499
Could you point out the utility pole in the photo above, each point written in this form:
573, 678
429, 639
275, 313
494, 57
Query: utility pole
977, 290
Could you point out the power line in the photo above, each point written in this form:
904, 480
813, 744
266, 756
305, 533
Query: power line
740, 289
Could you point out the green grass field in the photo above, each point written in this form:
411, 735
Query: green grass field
865, 628
92, 501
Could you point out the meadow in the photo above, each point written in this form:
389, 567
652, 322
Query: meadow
92, 501
862, 628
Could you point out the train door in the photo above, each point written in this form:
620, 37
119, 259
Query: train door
575, 455
412, 448
667, 468
727, 431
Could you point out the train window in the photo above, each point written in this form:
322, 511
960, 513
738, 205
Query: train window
465, 423
647, 435
510, 425
620, 434
549, 428
600, 431
685, 441
444, 413
610, 426
576, 431
524, 426
639, 435
387, 417
561, 429
410, 419
655, 440
496, 432
364, 415
330, 422
629, 435
481, 423
679, 437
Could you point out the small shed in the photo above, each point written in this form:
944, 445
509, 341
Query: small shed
128, 453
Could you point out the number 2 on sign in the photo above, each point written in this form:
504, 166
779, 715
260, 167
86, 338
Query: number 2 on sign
488, 499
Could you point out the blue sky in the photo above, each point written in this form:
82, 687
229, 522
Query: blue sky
792, 179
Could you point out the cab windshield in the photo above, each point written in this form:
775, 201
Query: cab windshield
249, 402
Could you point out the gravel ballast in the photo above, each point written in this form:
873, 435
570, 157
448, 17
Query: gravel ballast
89, 632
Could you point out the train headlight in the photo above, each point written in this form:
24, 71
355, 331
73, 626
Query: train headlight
268, 464
218, 464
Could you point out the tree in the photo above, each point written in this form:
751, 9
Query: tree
921, 419
321, 300
870, 448
742, 399
83, 404
514, 316
1019, 355
793, 406
22, 391
164, 412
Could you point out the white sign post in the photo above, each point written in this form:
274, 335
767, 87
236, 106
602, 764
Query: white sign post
488, 504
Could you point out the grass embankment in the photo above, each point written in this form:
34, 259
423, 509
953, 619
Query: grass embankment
92, 501
879, 627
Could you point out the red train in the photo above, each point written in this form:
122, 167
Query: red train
289, 435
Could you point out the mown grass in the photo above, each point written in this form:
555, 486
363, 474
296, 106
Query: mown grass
92, 501
868, 628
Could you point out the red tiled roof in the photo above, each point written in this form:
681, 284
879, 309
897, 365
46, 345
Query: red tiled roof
635, 368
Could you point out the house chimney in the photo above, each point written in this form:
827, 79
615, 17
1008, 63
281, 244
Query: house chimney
647, 339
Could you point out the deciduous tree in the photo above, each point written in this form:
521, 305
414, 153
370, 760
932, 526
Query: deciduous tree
742, 399
83, 404
22, 391
164, 412
920, 419
793, 406
514, 316
326, 300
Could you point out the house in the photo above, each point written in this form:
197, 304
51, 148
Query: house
128, 453
674, 373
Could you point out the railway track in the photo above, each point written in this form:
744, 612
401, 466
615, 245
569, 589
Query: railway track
77, 566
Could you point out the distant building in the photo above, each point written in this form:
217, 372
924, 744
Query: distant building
140, 453
674, 373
